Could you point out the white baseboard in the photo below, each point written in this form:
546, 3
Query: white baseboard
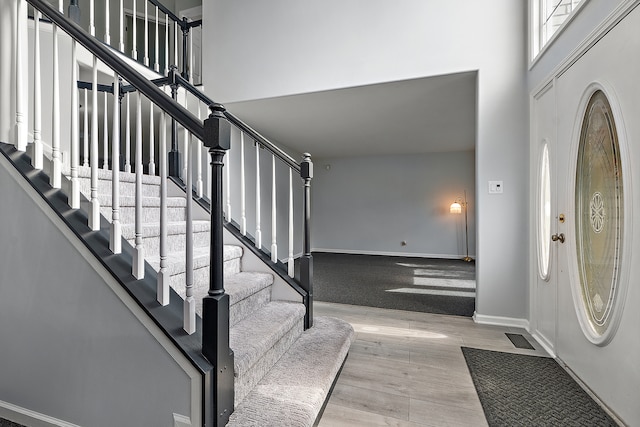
30, 418
511, 322
384, 253
540, 339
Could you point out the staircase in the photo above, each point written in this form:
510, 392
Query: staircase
283, 374
285, 361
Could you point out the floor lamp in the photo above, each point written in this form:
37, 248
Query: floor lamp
456, 208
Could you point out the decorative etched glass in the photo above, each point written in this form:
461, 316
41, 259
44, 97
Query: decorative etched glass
544, 214
599, 212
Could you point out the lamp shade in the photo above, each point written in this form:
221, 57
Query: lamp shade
455, 208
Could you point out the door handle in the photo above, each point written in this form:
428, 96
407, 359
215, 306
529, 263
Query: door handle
558, 237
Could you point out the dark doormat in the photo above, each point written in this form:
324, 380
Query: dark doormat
7, 423
522, 390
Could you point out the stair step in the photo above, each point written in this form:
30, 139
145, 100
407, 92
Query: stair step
261, 339
176, 232
248, 292
150, 212
150, 183
295, 389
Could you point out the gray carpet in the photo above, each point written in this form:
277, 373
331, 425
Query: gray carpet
522, 390
441, 286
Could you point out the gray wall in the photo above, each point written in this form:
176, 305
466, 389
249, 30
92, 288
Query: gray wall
372, 204
305, 47
71, 349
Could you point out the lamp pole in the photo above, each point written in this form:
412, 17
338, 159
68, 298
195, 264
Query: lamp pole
466, 228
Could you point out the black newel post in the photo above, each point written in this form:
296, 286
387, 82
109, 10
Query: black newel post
215, 306
174, 154
74, 11
306, 261
185, 47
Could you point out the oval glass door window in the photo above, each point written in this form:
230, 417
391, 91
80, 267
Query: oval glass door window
544, 214
599, 212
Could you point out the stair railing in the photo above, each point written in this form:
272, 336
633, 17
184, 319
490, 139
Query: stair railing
166, 38
214, 132
282, 168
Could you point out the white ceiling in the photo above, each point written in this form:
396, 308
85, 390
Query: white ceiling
431, 114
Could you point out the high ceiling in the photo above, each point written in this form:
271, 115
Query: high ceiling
431, 114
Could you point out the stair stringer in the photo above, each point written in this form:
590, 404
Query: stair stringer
78, 327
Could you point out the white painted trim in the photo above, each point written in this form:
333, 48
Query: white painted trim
28, 417
509, 322
384, 253
181, 421
544, 343
193, 373
598, 33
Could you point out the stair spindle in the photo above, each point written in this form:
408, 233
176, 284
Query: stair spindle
127, 136
138, 255
258, 236
74, 200
21, 46
92, 13
274, 222
189, 301
121, 28
190, 58
134, 51
243, 214
105, 135
185, 141
56, 163
198, 148
94, 215
146, 33
85, 129
115, 240
156, 64
227, 187
107, 21
152, 154
163, 275
290, 261
175, 45
37, 95
166, 44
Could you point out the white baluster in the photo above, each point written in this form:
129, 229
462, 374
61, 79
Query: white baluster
156, 64
152, 154
189, 301
134, 51
115, 240
227, 189
185, 141
175, 44
92, 13
37, 96
243, 213
166, 44
74, 200
258, 202
290, 263
107, 21
127, 137
121, 18
146, 33
163, 274
94, 215
85, 130
56, 161
21, 46
274, 239
105, 135
191, 57
138, 254
198, 148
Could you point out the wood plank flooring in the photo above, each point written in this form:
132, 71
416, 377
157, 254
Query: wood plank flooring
406, 369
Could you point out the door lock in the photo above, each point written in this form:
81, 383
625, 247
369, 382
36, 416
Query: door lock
561, 218
558, 237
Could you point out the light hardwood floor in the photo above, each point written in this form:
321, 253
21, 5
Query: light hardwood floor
406, 369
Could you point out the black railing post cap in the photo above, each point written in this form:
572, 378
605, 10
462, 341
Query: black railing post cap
306, 167
217, 129
217, 109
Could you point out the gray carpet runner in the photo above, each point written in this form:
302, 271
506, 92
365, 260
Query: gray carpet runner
523, 390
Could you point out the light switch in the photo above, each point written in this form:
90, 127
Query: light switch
495, 187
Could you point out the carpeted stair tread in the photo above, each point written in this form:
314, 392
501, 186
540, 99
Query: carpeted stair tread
147, 201
244, 284
251, 338
176, 260
85, 172
153, 229
295, 389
